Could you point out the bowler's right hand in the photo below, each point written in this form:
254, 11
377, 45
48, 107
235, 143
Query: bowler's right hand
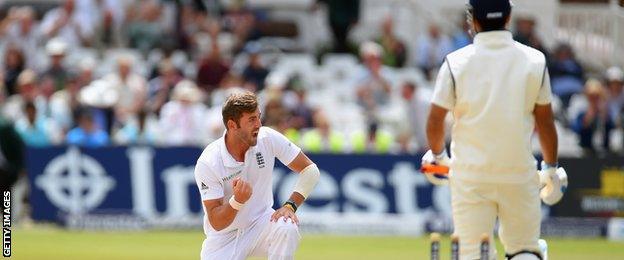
242, 190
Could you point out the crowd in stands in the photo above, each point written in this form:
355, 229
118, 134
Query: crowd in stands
96, 73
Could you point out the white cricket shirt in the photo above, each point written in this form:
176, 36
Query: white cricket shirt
216, 169
491, 87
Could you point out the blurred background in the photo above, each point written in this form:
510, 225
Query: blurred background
106, 104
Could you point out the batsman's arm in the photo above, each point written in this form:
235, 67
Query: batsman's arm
435, 128
220, 215
546, 131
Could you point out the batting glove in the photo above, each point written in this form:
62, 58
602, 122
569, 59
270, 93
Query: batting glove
437, 159
553, 183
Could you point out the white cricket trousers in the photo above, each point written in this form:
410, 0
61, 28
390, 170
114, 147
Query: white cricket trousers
477, 205
275, 240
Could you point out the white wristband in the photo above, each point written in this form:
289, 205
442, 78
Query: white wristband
235, 204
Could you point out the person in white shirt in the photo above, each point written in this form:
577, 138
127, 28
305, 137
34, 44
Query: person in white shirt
20, 28
183, 118
131, 86
417, 108
65, 22
431, 49
234, 178
498, 91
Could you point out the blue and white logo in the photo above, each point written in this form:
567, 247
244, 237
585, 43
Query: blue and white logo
74, 182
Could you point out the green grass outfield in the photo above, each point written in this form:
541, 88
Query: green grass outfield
44, 242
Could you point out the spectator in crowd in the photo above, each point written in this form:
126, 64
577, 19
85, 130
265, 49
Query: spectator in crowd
462, 37
140, 131
145, 29
14, 64
594, 120
106, 17
394, 51
302, 115
157, 56
275, 113
278, 101
566, 74
190, 22
85, 72
322, 139
615, 101
525, 34
56, 50
101, 96
13, 108
87, 134
46, 89
283, 126
159, 89
431, 48
343, 15
132, 89
285, 88
21, 29
255, 73
65, 22
241, 22
417, 109
36, 130
64, 103
373, 88
212, 33
183, 117
372, 141
212, 70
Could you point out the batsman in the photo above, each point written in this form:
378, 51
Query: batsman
498, 92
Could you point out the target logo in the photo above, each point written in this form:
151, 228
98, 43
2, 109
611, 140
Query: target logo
75, 182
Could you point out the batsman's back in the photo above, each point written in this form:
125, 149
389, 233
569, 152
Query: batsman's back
497, 83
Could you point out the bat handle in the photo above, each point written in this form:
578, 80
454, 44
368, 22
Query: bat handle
434, 169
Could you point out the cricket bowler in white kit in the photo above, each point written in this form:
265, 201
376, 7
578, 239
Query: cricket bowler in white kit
498, 91
234, 178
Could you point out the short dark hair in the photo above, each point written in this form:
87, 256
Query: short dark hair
83, 113
237, 104
492, 24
